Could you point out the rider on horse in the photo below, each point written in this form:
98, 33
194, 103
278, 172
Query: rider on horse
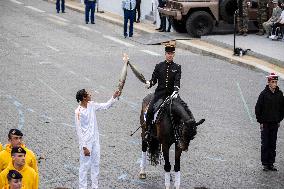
168, 75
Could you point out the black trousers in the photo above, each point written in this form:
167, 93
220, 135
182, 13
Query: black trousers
137, 10
268, 143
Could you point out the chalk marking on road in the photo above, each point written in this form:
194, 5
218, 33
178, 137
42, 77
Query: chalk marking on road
122, 177
30, 110
53, 48
150, 52
51, 89
35, 9
118, 41
59, 18
244, 102
72, 72
84, 28
19, 109
17, 2
57, 21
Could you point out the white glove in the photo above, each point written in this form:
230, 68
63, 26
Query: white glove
174, 95
147, 85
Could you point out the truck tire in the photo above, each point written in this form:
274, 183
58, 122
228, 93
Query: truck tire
199, 23
178, 25
227, 10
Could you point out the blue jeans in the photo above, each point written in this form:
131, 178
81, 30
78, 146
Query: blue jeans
128, 15
90, 6
58, 5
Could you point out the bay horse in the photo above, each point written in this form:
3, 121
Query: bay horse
172, 117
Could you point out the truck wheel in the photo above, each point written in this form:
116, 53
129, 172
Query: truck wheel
178, 25
199, 23
227, 10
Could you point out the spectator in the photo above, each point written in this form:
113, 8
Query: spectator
90, 6
162, 27
138, 11
278, 23
15, 138
275, 16
269, 113
62, 6
128, 7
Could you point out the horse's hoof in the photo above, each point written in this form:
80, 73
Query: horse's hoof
142, 175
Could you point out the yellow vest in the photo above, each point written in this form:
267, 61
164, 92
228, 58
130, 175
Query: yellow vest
6, 158
1, 147
30, 177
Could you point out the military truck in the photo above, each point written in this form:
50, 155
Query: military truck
198, 17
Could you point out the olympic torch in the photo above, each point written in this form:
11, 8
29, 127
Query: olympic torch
123, 73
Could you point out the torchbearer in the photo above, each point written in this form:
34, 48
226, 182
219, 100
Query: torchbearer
269, 111
88, 133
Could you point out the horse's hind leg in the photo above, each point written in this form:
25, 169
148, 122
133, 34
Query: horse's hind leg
178, 152
167, 166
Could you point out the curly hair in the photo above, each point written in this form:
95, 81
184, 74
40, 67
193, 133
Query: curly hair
80, 94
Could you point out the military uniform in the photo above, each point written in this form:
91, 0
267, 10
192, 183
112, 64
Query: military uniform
1, 147
261, 15
276, 13
242, 18
5, 158
30, 177
15, 180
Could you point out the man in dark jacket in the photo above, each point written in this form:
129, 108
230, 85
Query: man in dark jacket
269, 113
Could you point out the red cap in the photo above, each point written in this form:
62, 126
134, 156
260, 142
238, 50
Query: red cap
272, 76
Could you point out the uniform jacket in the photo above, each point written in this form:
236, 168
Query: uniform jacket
30, 177
276, 13
1, 147
5, 158
86, 123
270, 106
8, 187
168, 76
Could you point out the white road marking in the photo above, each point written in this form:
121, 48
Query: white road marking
53, 48
57, 21
84, 28
51, 89
58, 17
244, 101
17, 2
44, 62
118, 41
72, 72
35, 9
150, 52
87, 79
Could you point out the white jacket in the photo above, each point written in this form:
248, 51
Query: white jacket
86, 123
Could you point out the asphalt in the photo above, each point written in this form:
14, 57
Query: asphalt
265, 54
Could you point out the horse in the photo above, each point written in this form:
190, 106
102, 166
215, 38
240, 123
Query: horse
173, 124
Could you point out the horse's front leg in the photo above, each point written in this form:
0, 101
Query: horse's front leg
167, 166
142, 174
178, 152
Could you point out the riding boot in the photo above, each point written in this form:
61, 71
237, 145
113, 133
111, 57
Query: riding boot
177, 180
167, 180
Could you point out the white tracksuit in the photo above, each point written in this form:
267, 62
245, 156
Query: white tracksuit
88, 133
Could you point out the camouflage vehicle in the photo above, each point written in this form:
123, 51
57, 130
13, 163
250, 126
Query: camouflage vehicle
197, 17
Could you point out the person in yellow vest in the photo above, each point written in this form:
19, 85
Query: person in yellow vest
14, 180
15, 139
1, 147
30, 177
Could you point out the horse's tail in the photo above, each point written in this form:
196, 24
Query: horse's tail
154, 151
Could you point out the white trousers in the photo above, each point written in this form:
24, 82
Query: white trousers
89, 162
